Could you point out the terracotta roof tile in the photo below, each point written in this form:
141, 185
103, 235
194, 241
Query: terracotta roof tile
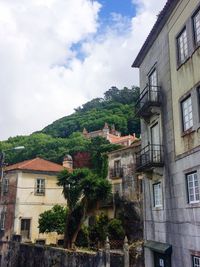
37, 164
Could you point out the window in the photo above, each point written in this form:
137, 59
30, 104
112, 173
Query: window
196, 25
5, 185
117, 168
153, 84
157, 195
40, 187
187, 116
196, 261
182, 46
193, 187
2, 220
198, 96
25, 228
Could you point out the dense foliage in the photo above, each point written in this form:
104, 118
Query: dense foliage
83, 190
117, 107
53, 220
63, 136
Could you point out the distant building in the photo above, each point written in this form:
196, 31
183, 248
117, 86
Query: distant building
113, 136
169, 107
28, 189
122, 172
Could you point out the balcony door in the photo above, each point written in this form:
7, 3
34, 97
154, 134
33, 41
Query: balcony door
153, 86
155, 143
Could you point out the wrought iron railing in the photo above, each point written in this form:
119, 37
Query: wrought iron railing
150, 156
150, 96
116, 172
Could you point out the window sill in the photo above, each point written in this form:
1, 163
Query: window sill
193, 205
187, 132
179, 65
39, 194
157, 208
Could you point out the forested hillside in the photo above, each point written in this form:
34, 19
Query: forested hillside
117, 107
63, 136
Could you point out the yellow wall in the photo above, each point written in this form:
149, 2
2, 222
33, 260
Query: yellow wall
185, 78
31, 206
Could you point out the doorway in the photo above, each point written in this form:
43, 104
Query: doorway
25, 229
162, 260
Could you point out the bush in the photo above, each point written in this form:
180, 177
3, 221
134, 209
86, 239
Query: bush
83, 237
115, 230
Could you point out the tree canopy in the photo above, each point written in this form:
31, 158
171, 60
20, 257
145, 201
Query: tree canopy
83, 190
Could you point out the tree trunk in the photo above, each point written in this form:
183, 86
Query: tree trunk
74, 236
67, 241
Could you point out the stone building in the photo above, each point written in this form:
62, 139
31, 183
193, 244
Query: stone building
122, 173
112, 135
169, 107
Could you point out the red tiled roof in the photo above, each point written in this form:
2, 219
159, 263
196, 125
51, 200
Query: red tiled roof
37, 164
118, 139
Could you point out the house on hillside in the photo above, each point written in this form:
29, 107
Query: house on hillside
169, 161
113, 136
28, 189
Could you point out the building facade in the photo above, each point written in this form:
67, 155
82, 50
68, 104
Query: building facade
28, 189
113, 136
169, 107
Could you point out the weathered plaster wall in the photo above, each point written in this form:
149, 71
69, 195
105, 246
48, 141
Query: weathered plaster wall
186, 77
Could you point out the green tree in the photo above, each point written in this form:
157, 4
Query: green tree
53, 220
83, 190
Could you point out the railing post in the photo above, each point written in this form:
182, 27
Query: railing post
126, 252
107, 251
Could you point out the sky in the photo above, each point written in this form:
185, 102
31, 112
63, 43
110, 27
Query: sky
55, 55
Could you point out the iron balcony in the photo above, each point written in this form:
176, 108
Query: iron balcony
149, 98
149, 157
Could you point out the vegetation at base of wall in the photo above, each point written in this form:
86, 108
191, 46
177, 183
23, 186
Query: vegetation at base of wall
53, 220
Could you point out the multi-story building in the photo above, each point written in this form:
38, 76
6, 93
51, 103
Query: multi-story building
113, 136
169, 107
28, 189
122, 174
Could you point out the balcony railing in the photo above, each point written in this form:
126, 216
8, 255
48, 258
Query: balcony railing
149, 97
116, 173
149, 157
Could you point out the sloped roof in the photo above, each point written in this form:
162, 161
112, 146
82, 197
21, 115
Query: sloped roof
118, 139
36, 164
159, 24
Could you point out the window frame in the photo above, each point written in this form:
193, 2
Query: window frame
2, 220
194, 188
160, 196
179, 61
40, 189
184, 129
5, 185
196, 42
193, 263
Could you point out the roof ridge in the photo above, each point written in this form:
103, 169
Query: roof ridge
27, 162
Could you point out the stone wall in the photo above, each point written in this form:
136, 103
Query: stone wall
29, 255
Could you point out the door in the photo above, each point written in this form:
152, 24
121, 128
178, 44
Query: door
153, 86
25, 229
155, 143
162, 260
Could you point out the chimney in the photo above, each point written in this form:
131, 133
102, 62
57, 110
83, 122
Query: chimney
68, 162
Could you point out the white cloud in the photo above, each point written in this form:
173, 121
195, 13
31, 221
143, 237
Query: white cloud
42, 78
